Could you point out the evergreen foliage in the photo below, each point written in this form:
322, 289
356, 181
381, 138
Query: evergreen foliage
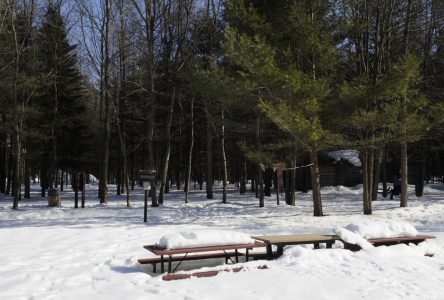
61, 99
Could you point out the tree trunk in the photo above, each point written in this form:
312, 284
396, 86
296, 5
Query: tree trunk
62, 180
376, 173
3, 165
106, 130
292, 182
118, 178
16, 129
315, 182
27, 179
209, 175
224, 160
367, 164
150, 18
9, 177
17, 163
384, 175
83, 189
243, 181
75, 186
168, 148
260, 185
404, 174
287, 174
190, 154
420, 177
154, 202
403, 154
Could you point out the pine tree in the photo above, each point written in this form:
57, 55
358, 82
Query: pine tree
390, 108
286, 63
61, 100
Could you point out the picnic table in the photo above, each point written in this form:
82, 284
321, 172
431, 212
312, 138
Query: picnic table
390, 241
294, 239
197, 253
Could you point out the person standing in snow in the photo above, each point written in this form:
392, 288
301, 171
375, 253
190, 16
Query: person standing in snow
396, 185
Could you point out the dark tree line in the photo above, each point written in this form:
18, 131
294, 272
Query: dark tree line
218, 90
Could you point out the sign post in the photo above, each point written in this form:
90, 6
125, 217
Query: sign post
146, 178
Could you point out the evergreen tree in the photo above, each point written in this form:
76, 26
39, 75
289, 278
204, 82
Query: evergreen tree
61, 100
286, 64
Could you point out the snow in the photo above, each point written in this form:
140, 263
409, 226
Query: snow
382, 229
359, 233
203, 238
91, 253
352, 238
352, 156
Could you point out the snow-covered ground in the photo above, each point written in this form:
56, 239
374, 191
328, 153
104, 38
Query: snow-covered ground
91, 253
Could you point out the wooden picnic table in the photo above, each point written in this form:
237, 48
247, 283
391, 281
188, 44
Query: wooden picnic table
294, 239
180, 255
390, 241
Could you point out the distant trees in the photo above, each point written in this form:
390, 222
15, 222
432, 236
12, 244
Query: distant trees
207, 91
44, 120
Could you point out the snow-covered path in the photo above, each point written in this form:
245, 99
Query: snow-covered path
91, 253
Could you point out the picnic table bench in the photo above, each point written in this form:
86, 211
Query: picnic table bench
390, 241
197, 253
280, 241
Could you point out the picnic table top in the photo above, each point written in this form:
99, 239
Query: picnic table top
162, 251
419, 237
296, 238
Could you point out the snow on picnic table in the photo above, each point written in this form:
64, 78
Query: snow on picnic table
91, 253
203, 238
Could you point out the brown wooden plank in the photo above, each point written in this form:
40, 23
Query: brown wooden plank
153, 260
401, 239
390, 241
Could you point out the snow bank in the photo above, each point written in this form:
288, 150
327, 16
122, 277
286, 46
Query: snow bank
358, 233
203, 238
382, 229
352, 238
352, 156
340, 190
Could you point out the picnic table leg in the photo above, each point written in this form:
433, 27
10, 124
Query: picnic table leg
280, 250
247, 255
269, 252
162, 267
169, 263
316, 245
330, 245
236, 253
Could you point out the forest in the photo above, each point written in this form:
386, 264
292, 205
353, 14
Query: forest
218, 90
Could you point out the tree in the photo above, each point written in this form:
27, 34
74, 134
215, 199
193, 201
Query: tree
62, 92
289, 79
18, 81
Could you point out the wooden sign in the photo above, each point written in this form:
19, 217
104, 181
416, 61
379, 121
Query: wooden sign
147, 175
